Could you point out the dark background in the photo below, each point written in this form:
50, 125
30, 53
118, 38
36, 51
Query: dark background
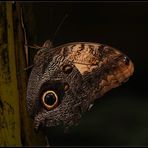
121, 117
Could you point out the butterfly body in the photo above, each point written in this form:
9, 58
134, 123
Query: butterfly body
66, 80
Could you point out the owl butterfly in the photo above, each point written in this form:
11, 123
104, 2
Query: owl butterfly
66, 80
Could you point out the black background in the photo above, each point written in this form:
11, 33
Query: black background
121, 118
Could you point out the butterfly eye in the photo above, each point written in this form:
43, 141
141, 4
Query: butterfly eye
126, 60
49, 99
67, 69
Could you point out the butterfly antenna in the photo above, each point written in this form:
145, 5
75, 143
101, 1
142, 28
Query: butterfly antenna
59, 26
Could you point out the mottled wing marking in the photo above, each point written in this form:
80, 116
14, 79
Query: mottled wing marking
88, 56
84, 56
